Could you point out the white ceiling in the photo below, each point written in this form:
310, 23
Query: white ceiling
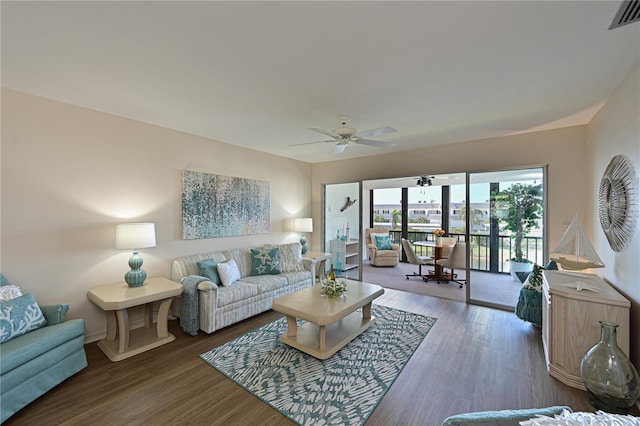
258, 74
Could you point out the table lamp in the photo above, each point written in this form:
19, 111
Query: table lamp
303, 224
135, 236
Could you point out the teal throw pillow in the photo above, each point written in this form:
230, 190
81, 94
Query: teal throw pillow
551, 266
265, 261
19, 316
209, 269
383, 242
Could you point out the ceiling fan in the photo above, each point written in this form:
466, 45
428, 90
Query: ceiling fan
425, 180
343, 135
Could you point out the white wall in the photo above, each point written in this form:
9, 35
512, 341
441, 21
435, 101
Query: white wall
616, 130
69, 175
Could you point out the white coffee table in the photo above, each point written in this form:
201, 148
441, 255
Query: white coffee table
332, 322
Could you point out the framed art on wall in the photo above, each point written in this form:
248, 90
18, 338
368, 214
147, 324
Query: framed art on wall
223, 206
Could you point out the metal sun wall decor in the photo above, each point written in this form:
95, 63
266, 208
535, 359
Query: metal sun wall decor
618, 202
222, 206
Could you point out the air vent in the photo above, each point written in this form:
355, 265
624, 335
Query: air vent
629, 12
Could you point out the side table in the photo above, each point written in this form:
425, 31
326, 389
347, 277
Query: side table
321, 261
121, 342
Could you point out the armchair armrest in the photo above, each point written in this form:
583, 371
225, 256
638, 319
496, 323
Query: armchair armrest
55, 314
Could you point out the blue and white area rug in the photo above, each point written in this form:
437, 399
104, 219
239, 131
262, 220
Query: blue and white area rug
341, 390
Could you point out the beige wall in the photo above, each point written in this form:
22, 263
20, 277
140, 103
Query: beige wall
616, 130
562, 150
69, 175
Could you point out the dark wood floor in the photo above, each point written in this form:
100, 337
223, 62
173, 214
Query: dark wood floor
473, 359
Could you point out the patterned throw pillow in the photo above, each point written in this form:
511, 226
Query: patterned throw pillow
534, 279
209, 269
19, 316
290, 257
9, 292
265, 261
383, 242
229, 272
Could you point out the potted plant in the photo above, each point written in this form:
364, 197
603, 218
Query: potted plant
520, 208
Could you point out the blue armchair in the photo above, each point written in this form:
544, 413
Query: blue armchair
33, 363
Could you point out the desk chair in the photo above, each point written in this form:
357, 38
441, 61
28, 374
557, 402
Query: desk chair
456, 260
449, 243
414, 259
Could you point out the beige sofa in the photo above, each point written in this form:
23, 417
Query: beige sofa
219, 306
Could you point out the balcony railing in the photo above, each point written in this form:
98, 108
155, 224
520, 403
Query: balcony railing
480, 256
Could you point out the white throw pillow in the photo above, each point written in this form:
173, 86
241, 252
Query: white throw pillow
9, 292
229, 272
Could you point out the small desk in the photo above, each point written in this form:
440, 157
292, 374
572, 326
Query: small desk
438, 271
121, 342
321, 261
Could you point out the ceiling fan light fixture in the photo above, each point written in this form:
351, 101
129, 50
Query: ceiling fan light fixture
345, 131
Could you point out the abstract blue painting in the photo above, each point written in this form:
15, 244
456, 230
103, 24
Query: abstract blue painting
223, 206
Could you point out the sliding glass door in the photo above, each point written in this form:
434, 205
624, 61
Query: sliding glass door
494, 243
343, 228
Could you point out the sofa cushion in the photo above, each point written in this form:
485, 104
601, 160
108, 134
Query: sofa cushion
209, 269
43, 340
9, 292
19, 316
387, 253
228, 272
240, 290
266, 283
265, 261
298, 276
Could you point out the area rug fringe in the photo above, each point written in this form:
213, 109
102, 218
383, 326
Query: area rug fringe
342, 390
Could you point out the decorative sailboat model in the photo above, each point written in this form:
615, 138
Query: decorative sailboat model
574, 251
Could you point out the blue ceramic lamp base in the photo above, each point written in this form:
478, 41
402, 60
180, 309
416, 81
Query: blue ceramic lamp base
136, 276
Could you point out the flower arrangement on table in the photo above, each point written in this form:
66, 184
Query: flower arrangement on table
437, 233
334, 288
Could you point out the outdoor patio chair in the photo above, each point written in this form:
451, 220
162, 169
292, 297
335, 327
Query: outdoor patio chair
415, 259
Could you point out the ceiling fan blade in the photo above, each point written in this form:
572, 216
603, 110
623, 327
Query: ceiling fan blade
324, 132
379, 144
340, 147
309, 143
375, 132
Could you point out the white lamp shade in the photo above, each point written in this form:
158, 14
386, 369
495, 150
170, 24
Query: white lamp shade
303, 224
135, 235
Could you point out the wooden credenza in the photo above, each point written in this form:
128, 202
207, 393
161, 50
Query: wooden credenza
571, 321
